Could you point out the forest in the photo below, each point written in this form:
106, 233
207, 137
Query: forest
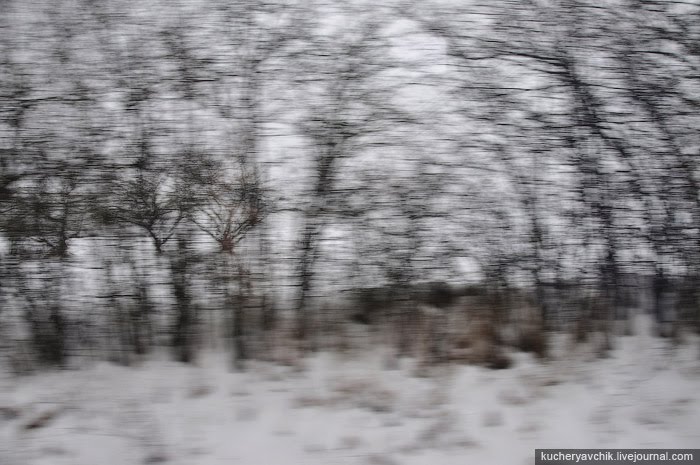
259, 175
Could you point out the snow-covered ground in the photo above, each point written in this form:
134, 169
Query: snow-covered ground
349, 409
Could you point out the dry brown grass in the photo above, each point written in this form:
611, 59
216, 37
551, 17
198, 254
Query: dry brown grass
480, 343
532, 336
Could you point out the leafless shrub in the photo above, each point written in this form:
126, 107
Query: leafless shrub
9, 413
42, 420
311, 400
365, 394
199, 391
156, 458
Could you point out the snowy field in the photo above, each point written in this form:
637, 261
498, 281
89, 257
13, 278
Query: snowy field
349, 409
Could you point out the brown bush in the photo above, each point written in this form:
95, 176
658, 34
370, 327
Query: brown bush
480, 344
533, 339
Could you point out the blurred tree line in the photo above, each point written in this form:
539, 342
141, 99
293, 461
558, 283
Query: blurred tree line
183, 173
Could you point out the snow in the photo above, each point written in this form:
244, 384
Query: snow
348, 408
